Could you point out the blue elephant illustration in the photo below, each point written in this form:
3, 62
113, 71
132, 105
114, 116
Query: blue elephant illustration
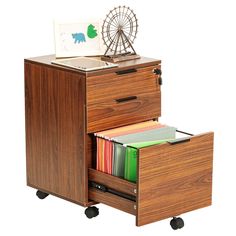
79, 37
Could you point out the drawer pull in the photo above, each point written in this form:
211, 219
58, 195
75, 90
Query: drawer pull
119, 100
179, 140
122, 72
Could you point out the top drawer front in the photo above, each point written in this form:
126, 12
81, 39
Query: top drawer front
117, 85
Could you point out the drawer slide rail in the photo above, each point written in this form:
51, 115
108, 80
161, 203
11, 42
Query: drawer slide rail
104, 189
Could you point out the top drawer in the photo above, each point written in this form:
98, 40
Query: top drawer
123, 83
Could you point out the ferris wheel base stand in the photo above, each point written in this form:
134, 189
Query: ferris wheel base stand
120, 57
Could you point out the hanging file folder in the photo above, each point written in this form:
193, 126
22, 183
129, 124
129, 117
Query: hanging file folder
117, 149
131, 164
119, 160
132, 155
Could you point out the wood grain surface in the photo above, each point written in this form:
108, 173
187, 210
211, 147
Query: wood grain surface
113, 200
63, 105
110, 114
55, 132
112, 182
142, 62
112, 86
174, 179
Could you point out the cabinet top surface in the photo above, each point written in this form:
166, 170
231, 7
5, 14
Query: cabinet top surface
143, 61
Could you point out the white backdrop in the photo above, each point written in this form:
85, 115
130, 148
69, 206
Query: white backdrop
196, 42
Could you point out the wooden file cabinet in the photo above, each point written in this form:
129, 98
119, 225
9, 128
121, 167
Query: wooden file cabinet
64, 107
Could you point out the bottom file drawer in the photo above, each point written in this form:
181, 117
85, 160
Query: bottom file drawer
172, 178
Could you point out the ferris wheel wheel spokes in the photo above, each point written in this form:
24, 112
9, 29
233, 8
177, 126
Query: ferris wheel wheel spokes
119, 31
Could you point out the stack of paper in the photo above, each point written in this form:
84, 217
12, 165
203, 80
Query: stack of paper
117, 148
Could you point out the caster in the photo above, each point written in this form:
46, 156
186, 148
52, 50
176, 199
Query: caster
177, 223
91, 212
41, 195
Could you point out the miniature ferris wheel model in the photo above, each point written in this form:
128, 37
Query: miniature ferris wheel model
119, 31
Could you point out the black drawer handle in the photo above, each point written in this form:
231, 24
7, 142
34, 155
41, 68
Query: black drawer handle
119, 100
179, 140
122, 72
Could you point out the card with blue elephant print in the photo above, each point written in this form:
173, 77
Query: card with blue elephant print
81, 38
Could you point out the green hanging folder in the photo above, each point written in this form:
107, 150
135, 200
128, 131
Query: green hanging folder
132, 155
131, 164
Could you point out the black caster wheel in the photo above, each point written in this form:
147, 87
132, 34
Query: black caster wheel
91, 212
177, 223
41, 195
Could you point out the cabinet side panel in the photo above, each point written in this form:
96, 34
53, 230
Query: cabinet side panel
55, 132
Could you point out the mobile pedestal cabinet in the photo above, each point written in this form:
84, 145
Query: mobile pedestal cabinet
64, 107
